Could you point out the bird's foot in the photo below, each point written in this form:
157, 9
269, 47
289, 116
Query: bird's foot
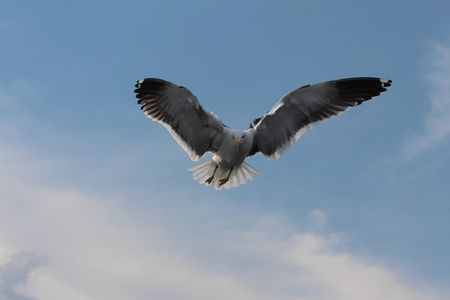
209, 180
223, 180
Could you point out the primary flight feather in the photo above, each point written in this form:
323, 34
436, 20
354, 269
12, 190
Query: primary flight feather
199, 131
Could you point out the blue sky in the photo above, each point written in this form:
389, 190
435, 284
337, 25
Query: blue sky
96, 201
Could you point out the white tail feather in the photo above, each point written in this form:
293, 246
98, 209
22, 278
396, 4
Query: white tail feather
239, 175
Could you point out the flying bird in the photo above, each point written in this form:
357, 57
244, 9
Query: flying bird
199, 131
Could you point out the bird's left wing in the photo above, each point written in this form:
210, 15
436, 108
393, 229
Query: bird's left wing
175, 107
307, 106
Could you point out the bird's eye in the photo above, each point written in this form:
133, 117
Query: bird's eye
243, 136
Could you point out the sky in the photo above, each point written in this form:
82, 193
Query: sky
96, 201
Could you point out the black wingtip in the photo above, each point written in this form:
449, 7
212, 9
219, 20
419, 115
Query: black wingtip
151, 83
385, 82
150, 86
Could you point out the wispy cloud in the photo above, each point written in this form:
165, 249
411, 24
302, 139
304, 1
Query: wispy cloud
99, 249
437, 124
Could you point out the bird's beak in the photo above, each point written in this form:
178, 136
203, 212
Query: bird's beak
237, 144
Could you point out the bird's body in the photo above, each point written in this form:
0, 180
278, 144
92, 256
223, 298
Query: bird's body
199, 131
235, 147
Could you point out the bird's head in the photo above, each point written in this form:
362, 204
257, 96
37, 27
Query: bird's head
239, 138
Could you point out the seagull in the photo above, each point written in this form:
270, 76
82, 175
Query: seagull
198, 131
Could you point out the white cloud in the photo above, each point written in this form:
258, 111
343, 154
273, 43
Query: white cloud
437, 123
94, 255
97, 248
333, 275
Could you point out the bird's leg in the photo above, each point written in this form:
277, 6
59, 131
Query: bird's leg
225, 180
210, 179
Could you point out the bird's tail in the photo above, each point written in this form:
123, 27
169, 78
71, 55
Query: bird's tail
239, 175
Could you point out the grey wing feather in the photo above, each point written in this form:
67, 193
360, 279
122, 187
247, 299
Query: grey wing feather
308, 106
196, 130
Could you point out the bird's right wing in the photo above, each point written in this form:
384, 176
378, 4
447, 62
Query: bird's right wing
308, 106
175, 107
